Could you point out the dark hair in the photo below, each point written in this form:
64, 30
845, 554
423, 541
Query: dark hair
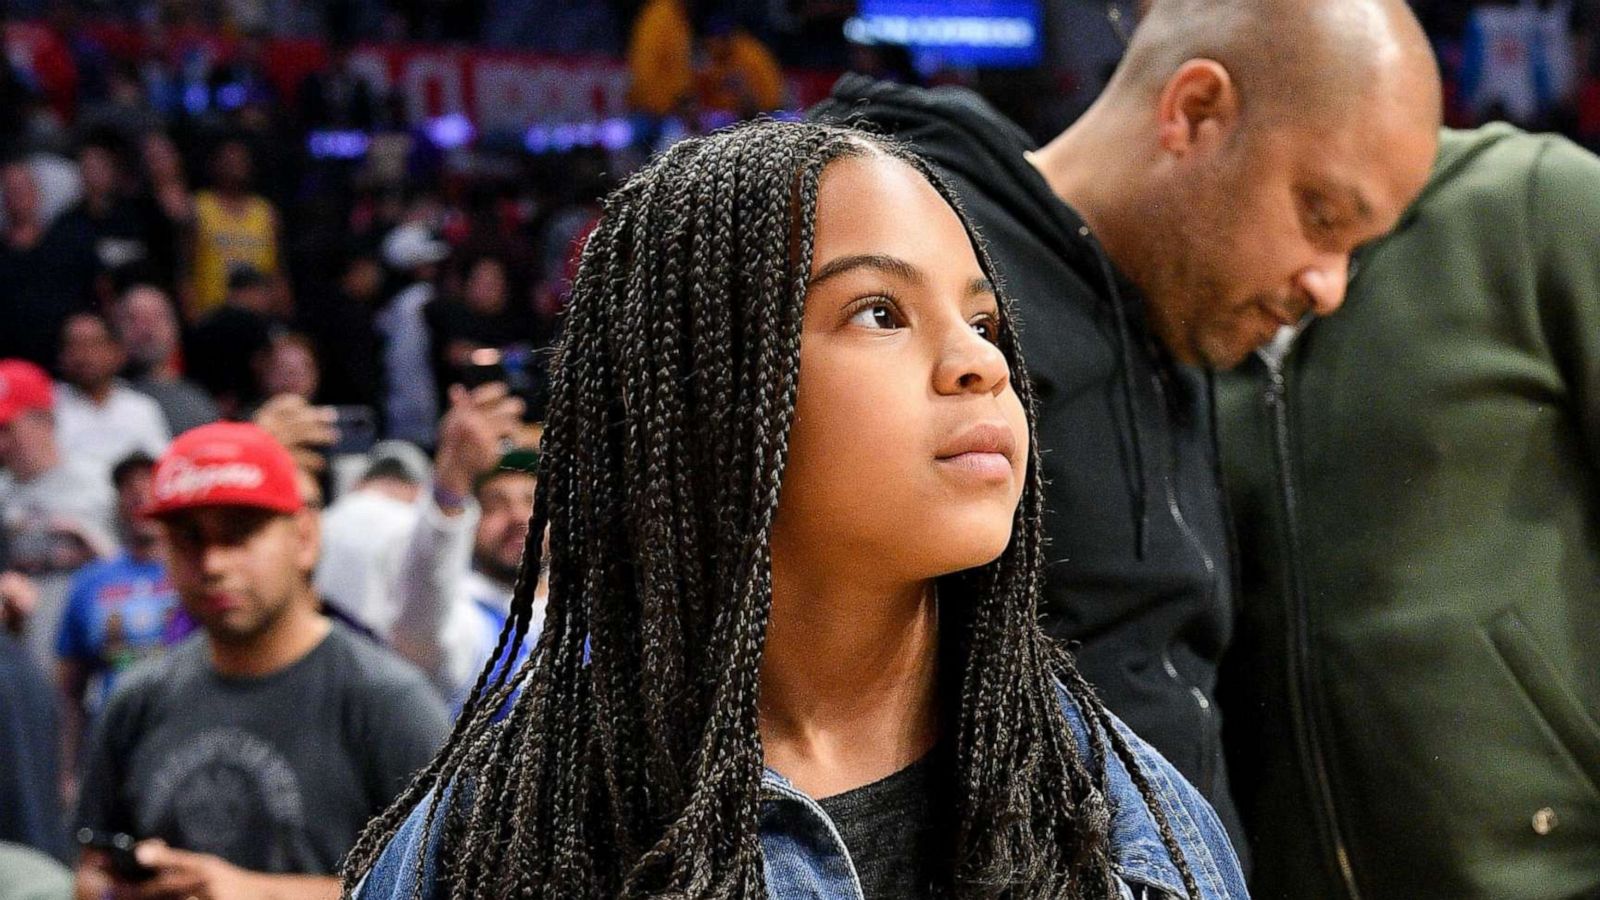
391, 469
630, 763
93, 315
128, 466
105, 139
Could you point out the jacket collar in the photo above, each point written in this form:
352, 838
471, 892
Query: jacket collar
1137, 851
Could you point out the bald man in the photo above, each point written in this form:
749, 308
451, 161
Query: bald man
1211, 195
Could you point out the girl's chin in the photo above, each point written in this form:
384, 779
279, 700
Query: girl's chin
975, 551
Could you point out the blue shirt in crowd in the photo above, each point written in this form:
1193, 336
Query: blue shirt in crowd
117, 614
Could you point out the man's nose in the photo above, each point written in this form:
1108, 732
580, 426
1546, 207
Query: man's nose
1324, 283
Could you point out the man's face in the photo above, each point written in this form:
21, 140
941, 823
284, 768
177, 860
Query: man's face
1257, 231
486, 287
133, 495
99, 170
21, 193
239, 570
362, 279
289, 369
149, 327
10, 443
507, 502
233, 166
26, 437
254, 297
90, 356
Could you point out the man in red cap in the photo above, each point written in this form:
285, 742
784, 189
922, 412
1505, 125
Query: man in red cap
246, 761
56, 512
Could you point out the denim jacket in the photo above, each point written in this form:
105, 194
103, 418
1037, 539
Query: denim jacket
806, 859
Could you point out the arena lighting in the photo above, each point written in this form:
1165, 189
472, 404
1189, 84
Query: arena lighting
611, 134
615, 134
985, 33
196, 99
231, 96
338, 144
450, 131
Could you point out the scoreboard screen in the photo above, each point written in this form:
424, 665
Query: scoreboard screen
979, 33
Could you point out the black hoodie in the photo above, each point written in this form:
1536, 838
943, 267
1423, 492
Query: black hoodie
1138, 561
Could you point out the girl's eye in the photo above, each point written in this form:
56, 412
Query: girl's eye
988, 327
878, 315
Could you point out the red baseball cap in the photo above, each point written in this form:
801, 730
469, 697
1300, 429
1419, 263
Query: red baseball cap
23, 386
225, 464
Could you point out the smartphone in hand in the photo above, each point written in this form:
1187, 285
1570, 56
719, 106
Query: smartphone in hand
485, 365
118, 847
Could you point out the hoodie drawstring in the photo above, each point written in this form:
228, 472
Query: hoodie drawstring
1129, 397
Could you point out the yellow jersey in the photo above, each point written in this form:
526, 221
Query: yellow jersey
224, 239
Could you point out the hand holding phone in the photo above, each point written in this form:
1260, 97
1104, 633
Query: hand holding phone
118, 848
357, 427
484, 366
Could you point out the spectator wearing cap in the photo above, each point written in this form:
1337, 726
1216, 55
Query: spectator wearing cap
118, 610
411, 404
233, 227
247, 759
147, 327
56, 510
47, 269
226, 343
365, 532
98, 417
456, 577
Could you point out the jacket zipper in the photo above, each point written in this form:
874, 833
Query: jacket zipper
1301, 688
1193, 540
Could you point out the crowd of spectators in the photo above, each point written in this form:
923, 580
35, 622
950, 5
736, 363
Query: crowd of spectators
176, 250
177, 256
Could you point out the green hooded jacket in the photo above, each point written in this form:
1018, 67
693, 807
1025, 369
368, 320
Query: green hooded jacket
1412, 695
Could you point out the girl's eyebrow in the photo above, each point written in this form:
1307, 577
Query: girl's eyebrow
888, 265
880, 262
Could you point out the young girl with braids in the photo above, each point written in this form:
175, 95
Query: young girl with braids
790, 645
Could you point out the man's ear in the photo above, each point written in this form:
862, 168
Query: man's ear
308, 539
1198, 106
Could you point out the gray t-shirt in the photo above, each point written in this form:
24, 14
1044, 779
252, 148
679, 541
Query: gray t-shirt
275, 774
182, 402
891, 828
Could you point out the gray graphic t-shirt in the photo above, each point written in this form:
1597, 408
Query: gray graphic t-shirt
275, 774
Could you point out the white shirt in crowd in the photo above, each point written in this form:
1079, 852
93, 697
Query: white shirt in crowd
105, 433
411, 402
450, 614
405, 571
75, 498
364, 534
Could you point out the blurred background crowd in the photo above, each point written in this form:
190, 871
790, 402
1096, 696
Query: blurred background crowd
354, 222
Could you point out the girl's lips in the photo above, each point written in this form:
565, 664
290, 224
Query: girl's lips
981, 437
983, 466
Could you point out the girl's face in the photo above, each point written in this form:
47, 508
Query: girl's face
909, 449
